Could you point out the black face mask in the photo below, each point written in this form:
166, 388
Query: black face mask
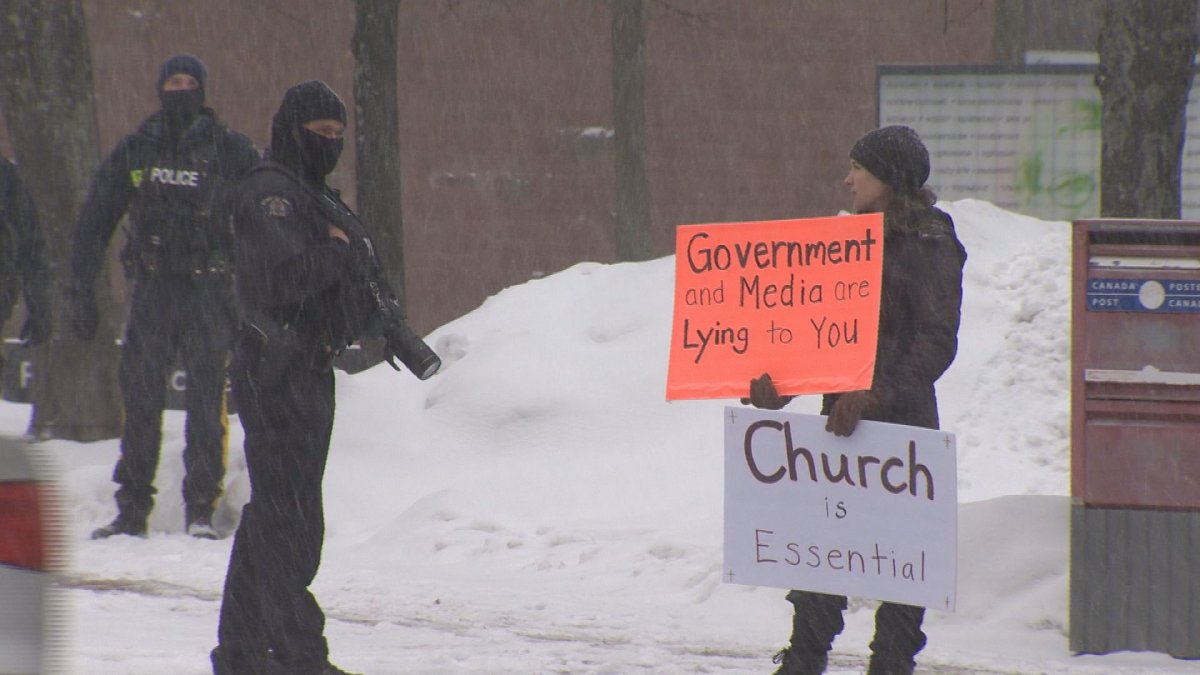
318, 153
181, 106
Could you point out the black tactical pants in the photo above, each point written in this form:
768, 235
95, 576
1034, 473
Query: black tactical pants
287, 414
818, 620
192, 320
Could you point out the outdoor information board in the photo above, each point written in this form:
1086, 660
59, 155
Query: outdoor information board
1026, 139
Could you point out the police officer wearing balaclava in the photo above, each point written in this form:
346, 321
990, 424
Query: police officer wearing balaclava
301, 303
173, 178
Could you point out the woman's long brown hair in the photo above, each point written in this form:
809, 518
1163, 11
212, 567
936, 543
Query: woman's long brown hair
905, 210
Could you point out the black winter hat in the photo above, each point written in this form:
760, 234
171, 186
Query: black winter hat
305, 102
308, 101
183, 63
894, 155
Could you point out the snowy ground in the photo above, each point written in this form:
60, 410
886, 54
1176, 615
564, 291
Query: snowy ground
539, 508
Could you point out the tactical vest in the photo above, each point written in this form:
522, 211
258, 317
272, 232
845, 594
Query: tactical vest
179, 224
341, 314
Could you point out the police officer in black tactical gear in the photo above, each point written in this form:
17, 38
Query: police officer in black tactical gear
302, 300
173, 178
22, 270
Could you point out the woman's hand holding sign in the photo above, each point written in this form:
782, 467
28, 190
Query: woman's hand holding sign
848, 409
844, 416
764, 395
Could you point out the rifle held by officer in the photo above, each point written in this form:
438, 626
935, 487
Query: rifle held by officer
401, 342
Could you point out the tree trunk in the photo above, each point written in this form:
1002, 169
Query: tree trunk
1009, 34
377, 132
629, 127
46, 71
1147, 55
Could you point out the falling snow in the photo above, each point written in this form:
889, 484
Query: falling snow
538, 506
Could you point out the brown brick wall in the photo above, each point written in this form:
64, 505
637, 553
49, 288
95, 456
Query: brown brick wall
751, 108
505, 110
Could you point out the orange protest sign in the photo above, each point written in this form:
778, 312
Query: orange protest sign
796, 298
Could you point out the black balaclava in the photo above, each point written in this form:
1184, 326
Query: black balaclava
181, 107
309, 154
896, 156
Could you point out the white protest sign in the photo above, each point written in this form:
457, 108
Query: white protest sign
873, 515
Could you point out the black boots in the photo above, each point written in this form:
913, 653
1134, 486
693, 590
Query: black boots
225, 662
134, 525
898, 639
199, 522
125, 523
817, 620
331, 669
133, 510
792, 662
880, 665
798, 663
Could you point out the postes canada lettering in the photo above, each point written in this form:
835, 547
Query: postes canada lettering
704, 257
769, 461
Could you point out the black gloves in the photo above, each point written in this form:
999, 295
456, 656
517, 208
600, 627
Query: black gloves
848, 409
763, 394
85, 318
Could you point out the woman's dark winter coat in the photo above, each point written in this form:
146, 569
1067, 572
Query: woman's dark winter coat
919, 314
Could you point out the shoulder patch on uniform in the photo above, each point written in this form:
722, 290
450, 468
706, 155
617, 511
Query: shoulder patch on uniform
276, 206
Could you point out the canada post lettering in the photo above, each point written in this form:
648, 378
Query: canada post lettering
1143, 295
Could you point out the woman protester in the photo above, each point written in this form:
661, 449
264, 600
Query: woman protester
920, 311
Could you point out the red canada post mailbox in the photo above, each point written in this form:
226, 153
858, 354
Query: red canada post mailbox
1135, 437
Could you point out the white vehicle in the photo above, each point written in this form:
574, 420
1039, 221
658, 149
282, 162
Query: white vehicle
25, 580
